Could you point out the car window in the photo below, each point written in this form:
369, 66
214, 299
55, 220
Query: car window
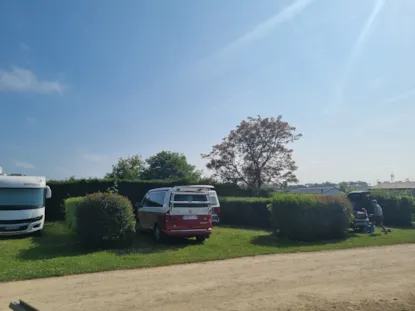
213, 199
154, 199
146, 201
190, 198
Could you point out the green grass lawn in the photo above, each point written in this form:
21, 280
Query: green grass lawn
57, 253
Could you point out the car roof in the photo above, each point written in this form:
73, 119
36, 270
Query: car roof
202, 186
181, 189
358, 192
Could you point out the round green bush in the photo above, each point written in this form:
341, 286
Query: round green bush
105, 220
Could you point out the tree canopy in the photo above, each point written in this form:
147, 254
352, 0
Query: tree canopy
163, 165
169, 165
129, 168
256, 153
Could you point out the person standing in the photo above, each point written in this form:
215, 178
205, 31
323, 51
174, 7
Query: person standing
378, 214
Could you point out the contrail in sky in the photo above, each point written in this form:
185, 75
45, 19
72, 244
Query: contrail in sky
357, 47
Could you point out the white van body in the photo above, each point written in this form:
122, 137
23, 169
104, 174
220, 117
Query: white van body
22, 204
175, 211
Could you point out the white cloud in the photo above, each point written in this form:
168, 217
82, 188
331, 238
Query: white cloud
92, 157
404, 95
354, 54
259, 31
24, 47
23, 80
25, 165
265, 28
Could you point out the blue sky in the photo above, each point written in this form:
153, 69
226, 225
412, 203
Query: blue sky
85, 82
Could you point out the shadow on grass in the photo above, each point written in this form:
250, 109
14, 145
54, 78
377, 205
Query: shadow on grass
272, 241
144, 244
243, 228
57, 241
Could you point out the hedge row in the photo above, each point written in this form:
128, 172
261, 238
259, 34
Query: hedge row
71, 206
296, 216
310, 218
133, 190
101, 220
245, 212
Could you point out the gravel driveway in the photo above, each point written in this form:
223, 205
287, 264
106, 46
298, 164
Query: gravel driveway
380, 278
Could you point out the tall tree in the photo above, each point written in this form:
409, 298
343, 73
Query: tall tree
169, 165
255, 153
129, 168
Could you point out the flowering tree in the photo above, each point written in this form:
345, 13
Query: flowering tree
255, 153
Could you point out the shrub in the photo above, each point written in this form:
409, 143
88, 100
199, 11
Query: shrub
71, 205
105, 220
133, 190
246, 212
309, 218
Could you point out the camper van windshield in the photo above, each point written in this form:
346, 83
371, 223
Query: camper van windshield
22, 197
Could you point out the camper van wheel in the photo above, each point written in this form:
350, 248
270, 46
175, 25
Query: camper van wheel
38, 233
137, 226
200, 239
156, 233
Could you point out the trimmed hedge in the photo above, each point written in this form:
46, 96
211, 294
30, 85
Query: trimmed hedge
133, 190
104, 220
71, 205
309, 218
245, 212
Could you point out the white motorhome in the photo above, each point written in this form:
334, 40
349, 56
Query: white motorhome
22, 203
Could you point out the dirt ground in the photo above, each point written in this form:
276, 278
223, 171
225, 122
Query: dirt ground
359, 279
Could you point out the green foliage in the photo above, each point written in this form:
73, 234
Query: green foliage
126, 168
71, 206
169, 165
133, 190
245, 212
105, 220
256, 153
308, 218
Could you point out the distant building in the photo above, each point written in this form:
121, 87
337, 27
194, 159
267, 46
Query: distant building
317, 190
400, 185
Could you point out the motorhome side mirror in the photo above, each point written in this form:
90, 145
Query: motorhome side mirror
48, 194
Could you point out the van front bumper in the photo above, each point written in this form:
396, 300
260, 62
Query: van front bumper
187, 232
21, 228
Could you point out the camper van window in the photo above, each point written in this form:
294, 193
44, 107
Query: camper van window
190, 198
22, 196
154, 199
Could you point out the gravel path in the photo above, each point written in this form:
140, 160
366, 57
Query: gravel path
368, 279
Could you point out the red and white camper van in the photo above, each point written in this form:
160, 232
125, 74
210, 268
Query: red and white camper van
176, 211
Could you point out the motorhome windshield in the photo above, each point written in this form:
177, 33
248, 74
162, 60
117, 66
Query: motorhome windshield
21, 198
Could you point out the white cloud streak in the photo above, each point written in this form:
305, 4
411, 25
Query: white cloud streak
23, 80
402, 96
24, 47
357, 47
263, 29
25, 165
